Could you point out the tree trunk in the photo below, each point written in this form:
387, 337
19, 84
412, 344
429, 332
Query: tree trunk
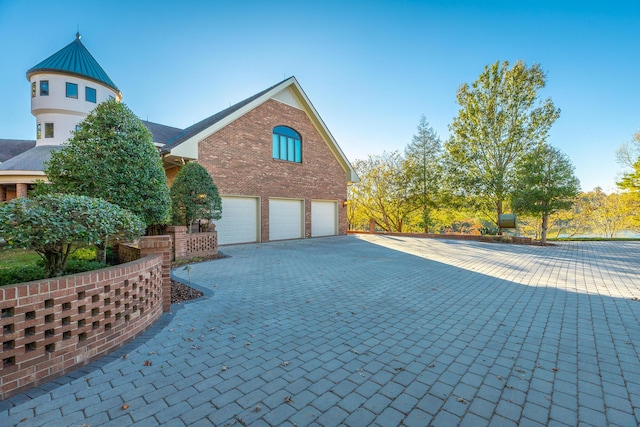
101, 251
545, 225
426, 218
499, 211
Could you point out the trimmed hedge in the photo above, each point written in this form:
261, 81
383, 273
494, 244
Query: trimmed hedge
28, 273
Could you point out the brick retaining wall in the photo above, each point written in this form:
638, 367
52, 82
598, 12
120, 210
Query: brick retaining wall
53, 326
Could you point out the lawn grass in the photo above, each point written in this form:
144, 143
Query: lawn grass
10, 258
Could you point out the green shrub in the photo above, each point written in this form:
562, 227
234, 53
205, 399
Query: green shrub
26, 273
80, 265
85, 254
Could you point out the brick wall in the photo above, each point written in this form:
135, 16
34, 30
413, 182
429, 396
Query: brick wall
191, 245
239, 158
51, 327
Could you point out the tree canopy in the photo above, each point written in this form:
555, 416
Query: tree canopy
112, 156
54, 225
194, 196
544, 184
381, 193
500, 120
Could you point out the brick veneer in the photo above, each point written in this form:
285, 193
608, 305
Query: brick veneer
239, 159
51, 327
191, 245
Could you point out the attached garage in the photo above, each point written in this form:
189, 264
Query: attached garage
324, 218
286, 219
239, 223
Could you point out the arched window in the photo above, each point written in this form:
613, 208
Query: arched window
287, 144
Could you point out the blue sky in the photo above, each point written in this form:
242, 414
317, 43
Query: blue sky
370, 68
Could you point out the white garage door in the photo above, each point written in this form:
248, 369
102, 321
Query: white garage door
324, 218
239, 223
286, 219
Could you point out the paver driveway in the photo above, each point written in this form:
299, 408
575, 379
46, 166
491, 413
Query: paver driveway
375, 330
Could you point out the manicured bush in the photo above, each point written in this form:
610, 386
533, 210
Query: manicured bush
81, 265
26, 273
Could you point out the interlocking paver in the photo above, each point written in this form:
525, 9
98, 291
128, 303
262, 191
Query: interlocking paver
364, 330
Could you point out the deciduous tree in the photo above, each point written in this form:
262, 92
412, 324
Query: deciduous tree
501, 118
382, 192
544, 184
54, 225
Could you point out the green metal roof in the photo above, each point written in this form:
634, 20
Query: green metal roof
75, 59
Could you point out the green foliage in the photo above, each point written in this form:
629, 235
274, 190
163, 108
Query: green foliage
544, 184
382, 193
25, 273
194, 196
83, 254
631, 180
75, 266
500, 120
55, 225
112, 157
424, 172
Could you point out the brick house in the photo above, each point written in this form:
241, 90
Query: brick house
280, 172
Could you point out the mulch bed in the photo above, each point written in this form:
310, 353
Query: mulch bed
181, 292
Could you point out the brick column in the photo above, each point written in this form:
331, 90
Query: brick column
179, 235
21, 190
160, 245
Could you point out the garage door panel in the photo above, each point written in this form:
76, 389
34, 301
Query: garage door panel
239, 222
286, 219
324, 218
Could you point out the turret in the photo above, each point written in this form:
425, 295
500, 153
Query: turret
65, 87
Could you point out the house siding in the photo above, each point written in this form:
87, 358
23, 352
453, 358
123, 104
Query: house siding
239, 158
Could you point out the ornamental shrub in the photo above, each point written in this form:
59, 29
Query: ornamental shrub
194, 196
54, 225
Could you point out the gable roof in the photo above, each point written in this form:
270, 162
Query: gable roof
186, 143
12, 147
75, 59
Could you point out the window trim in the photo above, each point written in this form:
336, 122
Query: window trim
71, 85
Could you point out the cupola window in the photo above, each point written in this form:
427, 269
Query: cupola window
287, 144
44, 87
90, 94
72, 90
33, 89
